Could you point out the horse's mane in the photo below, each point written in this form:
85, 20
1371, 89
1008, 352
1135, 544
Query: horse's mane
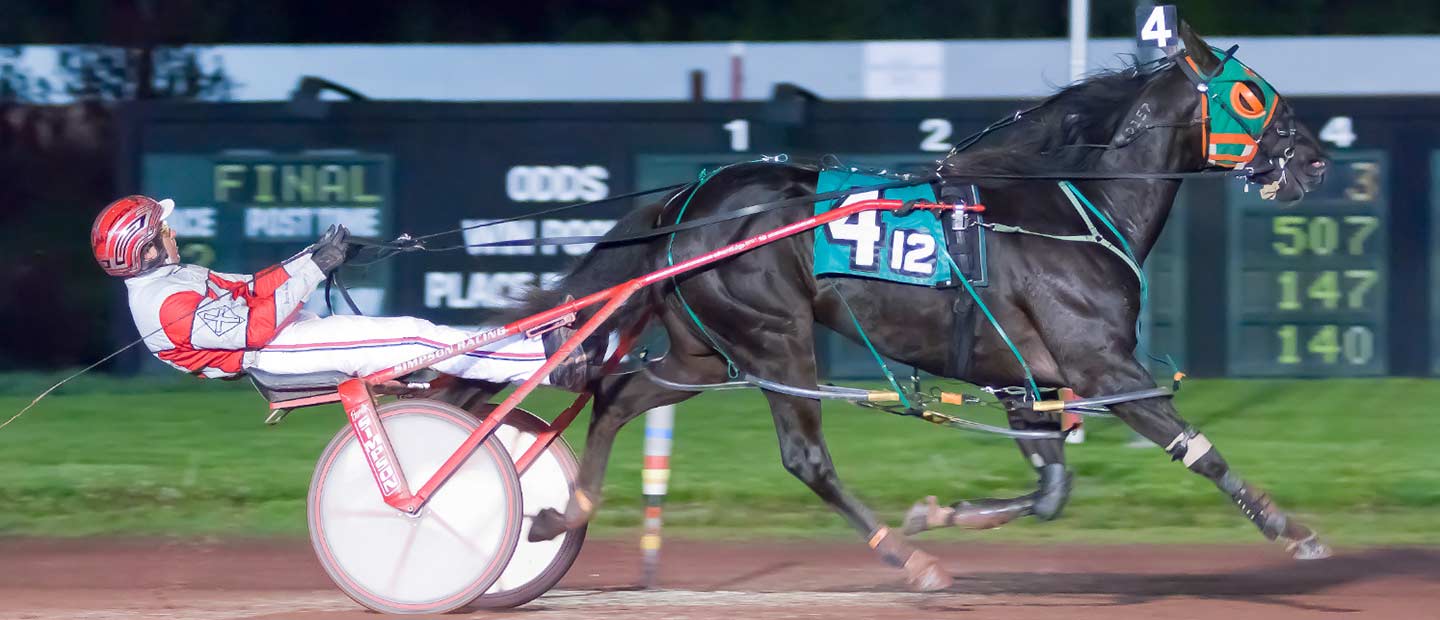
1085, 113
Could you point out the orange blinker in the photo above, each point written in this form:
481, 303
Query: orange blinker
1245, 102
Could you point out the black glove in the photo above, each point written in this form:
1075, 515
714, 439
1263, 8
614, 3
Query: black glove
330, 252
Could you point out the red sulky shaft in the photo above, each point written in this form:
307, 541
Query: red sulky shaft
614, 297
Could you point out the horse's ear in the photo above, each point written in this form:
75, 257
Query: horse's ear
1198, 48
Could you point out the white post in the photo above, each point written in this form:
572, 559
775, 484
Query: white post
654, 483
1079, 37
1079, 41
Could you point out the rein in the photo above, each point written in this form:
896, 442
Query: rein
407, 243
1201, 82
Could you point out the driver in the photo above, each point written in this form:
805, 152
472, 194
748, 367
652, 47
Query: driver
219, 325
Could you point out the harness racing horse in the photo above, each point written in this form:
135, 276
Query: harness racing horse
1070, 308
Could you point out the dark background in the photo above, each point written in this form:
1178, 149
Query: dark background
446, 21
57, 162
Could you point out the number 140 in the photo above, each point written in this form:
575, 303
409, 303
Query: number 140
1356, 345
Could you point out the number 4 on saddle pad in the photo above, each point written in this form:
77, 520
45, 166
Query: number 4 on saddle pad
879, 244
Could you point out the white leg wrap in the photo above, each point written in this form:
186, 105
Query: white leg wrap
1175, 442
1194, 447
1199, 446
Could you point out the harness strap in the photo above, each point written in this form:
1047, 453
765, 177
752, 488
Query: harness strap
1072, 193
889, 376
1029, 376
1076, 199
1008, 229
731, 369
1085, 208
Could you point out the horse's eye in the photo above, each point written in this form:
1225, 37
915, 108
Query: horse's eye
1247, 99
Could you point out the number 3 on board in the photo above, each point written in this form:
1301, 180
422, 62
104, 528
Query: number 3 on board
1156, 26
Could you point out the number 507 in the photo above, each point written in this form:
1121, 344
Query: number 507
1322, 235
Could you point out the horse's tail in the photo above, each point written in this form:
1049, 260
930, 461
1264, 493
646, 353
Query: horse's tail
606, 266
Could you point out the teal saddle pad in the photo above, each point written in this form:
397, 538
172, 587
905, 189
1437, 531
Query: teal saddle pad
879, 244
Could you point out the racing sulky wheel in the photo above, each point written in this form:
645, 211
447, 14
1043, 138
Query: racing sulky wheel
536, 566
444, 556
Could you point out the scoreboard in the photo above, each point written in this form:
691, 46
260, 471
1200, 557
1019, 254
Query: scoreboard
240, 211
1308, 280
1434, 283
1343, 283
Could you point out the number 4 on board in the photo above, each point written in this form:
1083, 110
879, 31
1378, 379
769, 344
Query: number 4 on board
1156, 26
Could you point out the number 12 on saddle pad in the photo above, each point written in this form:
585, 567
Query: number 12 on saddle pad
879, 244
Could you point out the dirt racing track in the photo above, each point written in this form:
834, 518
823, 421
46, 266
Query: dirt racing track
225, 580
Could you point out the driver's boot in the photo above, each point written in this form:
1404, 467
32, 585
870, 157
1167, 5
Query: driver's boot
582, 366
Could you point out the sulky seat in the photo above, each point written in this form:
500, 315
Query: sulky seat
277, 387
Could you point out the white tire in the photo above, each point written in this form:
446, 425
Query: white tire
536, 567
438, 560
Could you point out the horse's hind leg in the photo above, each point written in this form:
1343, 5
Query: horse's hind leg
803, 452
617, 401
1047, 456
788, 357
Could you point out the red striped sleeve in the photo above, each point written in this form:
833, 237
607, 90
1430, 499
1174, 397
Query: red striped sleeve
270, 279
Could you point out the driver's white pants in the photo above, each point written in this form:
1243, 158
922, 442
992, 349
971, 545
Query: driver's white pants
360, 345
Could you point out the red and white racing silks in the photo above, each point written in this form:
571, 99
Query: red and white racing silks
217, 325
206, 323
360, 345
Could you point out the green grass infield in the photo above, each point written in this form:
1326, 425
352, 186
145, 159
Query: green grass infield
1356, 459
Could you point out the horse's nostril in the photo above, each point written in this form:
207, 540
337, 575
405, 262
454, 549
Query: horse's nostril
1318, 165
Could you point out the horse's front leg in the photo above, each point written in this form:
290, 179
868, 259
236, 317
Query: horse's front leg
1105, 368
1157, 420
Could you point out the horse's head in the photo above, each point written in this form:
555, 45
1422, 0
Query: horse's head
1246, 125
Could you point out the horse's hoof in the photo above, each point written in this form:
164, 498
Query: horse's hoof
1055, 484
918, 518
923, 573
546, 525
1310, 549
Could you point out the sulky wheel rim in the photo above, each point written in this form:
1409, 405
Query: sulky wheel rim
536, 567
438, 560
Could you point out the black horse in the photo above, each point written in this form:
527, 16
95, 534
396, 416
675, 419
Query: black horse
1070, 308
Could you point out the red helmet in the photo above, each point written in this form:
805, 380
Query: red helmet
124, 230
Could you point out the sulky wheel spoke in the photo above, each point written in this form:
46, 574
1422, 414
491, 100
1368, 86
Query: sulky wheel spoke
363, 513
445, 525
404, 555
